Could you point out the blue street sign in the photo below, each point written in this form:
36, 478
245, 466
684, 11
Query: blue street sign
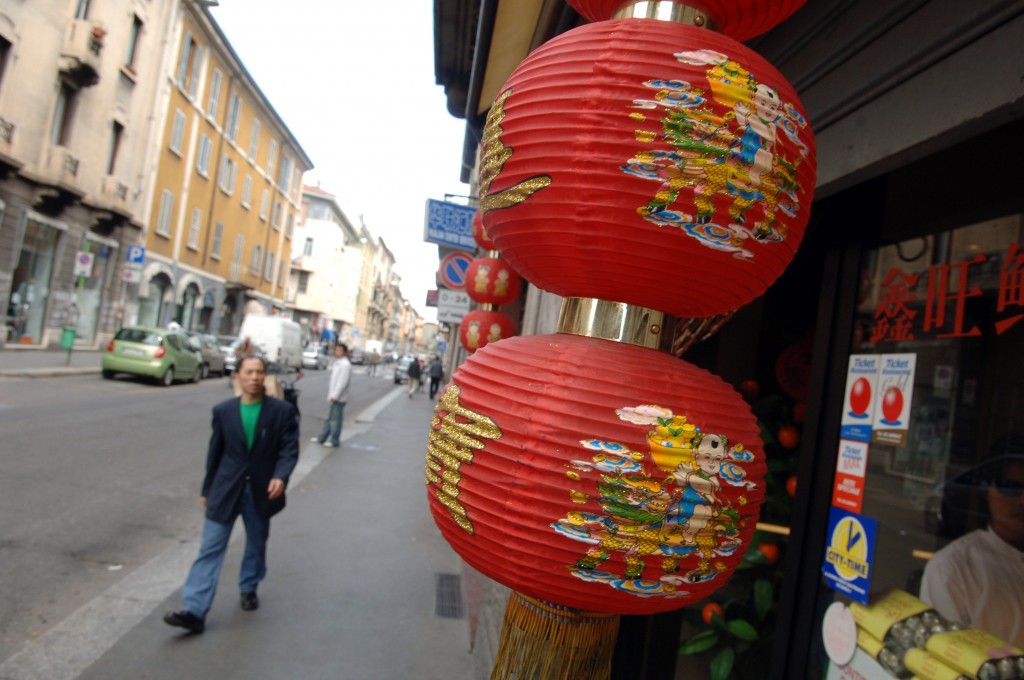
135, 254
449, 224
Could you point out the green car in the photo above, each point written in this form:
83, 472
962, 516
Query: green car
152, 352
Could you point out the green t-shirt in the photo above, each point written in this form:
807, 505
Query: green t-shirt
250, 414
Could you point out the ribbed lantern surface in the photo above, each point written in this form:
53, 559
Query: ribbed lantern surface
597, 475
650, 163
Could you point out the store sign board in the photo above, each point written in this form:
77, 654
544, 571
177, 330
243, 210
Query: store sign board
851, 468
895, 394
449, 224
859, 402
849, 553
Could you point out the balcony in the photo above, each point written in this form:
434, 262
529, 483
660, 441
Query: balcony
6, 136
59, 166
80, 53
114, 194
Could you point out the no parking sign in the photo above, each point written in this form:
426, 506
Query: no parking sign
453, 270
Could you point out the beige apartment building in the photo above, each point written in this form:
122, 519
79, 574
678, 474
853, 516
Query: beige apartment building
77, 84
227, 184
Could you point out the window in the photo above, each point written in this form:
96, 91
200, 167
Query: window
254, 139
133, 43
66, 99
163, 223
247, 191
188, 64
264, 204
228, 172
193, 229
256, 261
203, 161
284, 175
288, 225
5, 55
177, 132
237, 258
268, 270
276, 220
296, 183
214, 102
234, 111
82, 9
218, 236
303, 281
271, 157
307, 249
280, 272
116, 133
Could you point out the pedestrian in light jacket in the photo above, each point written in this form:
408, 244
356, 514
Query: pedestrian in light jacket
337, 395
253, 450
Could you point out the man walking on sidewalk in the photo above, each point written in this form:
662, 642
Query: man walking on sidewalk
253, 450
414, 372
337, 395
436, 371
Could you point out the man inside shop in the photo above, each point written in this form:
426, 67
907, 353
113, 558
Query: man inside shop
978, 579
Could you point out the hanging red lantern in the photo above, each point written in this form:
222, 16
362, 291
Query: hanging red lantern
648, 162
480, 234
480, 327
593, 474
490, 280
739, 19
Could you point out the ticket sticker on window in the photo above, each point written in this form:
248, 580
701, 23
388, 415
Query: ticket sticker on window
848, 554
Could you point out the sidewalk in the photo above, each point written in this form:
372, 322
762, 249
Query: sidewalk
48, 363
360, 586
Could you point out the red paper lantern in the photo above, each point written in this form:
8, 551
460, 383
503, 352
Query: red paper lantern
593, 474
480, 327
738, 19
490, 280
480, 234
651, 163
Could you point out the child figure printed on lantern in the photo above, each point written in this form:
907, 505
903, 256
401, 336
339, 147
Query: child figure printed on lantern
715, 154
677, 518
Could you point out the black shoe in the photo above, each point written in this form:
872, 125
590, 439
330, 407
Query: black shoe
185, 619
250, 602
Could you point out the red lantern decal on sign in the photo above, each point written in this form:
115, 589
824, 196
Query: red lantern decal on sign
481, 327
634, 489
492, 280
649, 163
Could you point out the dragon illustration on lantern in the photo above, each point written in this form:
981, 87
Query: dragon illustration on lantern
730, 154
681, 516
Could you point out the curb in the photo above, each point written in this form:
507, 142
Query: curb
47, 372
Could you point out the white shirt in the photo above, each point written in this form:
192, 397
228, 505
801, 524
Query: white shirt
978, 581
341, 376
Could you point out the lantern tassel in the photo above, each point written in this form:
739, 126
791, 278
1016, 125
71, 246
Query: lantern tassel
545, 641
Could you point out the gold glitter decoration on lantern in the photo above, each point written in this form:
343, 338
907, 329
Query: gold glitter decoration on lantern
455, 432
495, 155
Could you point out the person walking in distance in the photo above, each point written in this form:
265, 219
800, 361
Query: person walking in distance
436, 372
414, 372
337, 395
253, 450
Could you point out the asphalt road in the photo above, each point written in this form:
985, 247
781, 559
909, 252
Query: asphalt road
99, 476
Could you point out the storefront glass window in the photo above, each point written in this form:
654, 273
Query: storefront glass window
30, 287
90, 291
939, 448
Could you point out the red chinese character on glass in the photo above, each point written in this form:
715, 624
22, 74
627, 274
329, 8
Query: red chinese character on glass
1011, 287
940, 295
893, 317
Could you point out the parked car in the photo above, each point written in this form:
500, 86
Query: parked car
357, 357
213, 358
231, 356
155, 353
313, 357
402, 369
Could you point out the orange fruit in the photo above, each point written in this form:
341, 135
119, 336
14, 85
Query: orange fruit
800, 412
770, 551
788, 436
750, 390
791, 485
712, 609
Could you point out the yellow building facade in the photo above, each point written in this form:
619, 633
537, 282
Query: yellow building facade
226, 191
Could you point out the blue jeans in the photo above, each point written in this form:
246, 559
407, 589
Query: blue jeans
201, 584
332, 426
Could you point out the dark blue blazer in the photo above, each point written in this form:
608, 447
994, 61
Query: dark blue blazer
230, 465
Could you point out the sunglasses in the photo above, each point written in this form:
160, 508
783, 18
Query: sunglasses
1009, 488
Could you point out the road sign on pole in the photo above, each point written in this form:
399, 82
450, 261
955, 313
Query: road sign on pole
453, 269
452, 305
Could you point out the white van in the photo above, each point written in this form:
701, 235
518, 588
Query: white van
280, 338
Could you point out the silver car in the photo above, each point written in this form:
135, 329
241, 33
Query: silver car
213, 359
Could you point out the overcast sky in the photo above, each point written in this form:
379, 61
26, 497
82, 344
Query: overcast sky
354, 82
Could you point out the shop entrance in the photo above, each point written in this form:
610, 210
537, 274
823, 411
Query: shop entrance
26, 307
